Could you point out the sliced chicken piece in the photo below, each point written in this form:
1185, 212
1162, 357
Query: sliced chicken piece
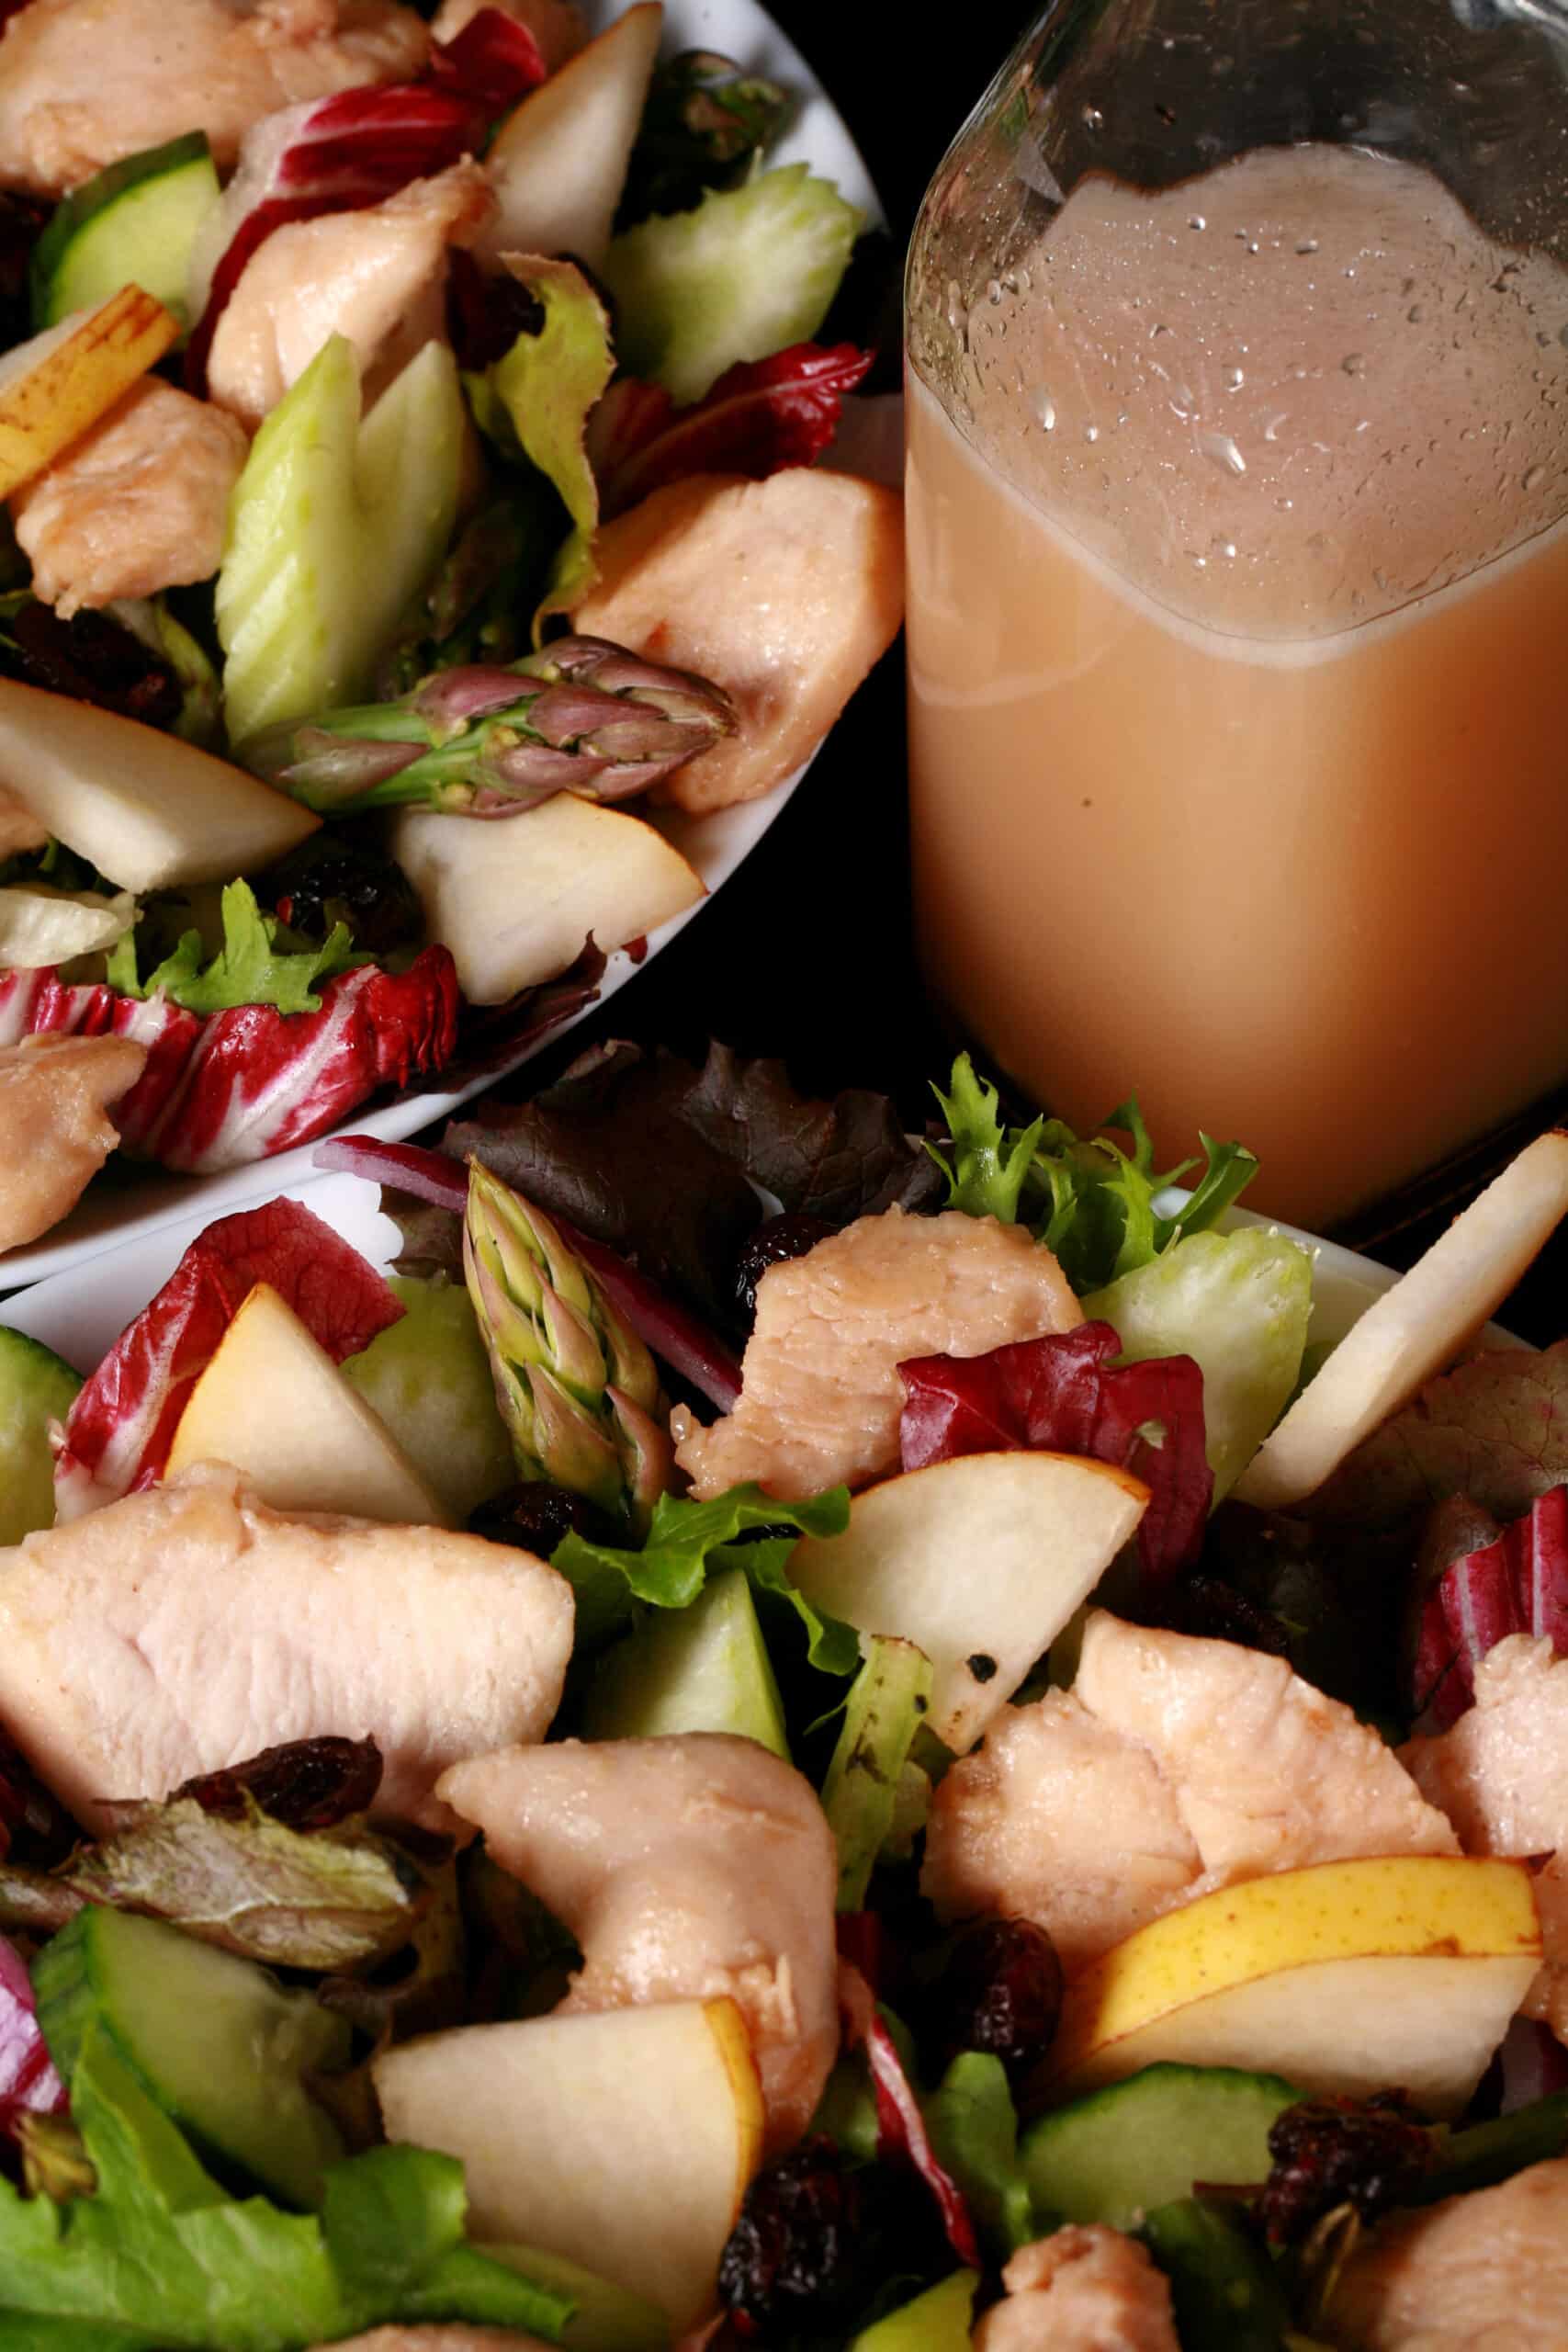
140, 503
1081, 2290
821, 1394
181, 1629
1501, 1776
784, 591
19, 829
1269, 1773
55, 1129
376, 277
1483, 2273
85, 82
1174, 1766
558, 26
436, 2339
1056, 1819
686, 1868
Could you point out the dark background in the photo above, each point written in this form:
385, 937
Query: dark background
807, 952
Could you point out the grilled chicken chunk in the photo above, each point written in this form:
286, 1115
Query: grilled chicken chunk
183, 1628
85, 82
1081, 2290
1483, 2273
686, 1867
376, 276
138, 505
1173, 1767
1501, 1776
821, 1393
56, 1128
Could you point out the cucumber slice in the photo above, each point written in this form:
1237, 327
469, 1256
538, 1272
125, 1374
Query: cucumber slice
937, 2321
1142, 2142
428, 1378
133, 224
334, 525
36, 1387
702, 1668
748, 272
1240, 1304
219, 2044
1226, 2295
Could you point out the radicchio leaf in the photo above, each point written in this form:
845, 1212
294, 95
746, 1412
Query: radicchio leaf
227, 1088
1062, 1394
902, 2137
488, 66
762, 414
28, 2083
1516, 1584
122, 1424
1495, 1430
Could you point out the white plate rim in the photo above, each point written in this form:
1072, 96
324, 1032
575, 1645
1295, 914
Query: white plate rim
113, 1215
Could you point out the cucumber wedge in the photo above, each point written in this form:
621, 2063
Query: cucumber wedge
429, 1378
1115, 2154
702, 1668
133, 224
36, 1388
216, 2041
1226, 2295
334, 525
751, 270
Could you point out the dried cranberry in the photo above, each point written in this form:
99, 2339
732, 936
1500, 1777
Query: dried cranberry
1216, 1611
304, 1783
329, 880
485, 314
1329, 2151
536, 1515
34, 1828
998, 1989
781, 1239
92, 659
804, 2251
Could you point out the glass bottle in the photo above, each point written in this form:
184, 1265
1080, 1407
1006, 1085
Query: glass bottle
1237, 390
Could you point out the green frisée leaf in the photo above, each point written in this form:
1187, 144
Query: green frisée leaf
704, 123
1240, 1304
249, 968
159, 2259
689, 1541
536, 400
1092, 1202
886, 1705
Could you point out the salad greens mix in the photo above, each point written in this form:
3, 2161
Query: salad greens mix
199, 2147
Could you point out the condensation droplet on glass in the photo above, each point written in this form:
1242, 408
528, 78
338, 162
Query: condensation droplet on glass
1091, 433
1416, 313
1534, 479
1045, 409
1182, 400
1354, 363
1199, 562
994, 291
1093, 119
1272, 430
1222, 451
1285, 505
956, 315
1196, 221
1157, 329
1224, 548
1306, 245
1234, 378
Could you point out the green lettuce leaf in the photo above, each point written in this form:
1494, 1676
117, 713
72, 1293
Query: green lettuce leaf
1091, 1201
535, 404
687, 1543
249, 968
973, 2130
160, 2260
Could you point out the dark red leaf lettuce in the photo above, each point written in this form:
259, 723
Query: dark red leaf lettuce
227, 1088
1516, 1584
760, 415
1495, 1430
1064, 1394
122, 1424
902, 2136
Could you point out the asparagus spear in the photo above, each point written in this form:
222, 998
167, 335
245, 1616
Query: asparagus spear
577, 1390
490, 741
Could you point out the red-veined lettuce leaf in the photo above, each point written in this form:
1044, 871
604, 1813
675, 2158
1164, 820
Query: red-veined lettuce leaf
29, 2084
760, 415
1516, 1584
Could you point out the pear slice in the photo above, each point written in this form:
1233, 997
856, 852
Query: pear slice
150, 813
559, 161
273, 1404
514, 897
56, 388
1342, 1978
979, 1562
623, 2139
1416, 1329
